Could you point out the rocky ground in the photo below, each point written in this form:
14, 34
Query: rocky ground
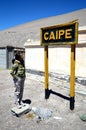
62, 117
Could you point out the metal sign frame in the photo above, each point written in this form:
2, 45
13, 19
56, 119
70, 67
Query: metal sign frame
72, 65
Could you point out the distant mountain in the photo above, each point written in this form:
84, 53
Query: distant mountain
18, 35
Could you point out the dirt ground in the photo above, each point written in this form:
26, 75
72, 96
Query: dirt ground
62, 117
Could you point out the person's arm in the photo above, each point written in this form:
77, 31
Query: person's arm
13, 71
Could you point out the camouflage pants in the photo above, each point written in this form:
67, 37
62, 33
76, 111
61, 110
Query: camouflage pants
19, 88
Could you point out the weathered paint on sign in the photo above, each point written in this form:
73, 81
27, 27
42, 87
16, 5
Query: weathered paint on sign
60, 34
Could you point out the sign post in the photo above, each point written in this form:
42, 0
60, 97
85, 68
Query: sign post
46, 70
64, 34
72, 78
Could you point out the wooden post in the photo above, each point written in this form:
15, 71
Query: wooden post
72, 78
46, 70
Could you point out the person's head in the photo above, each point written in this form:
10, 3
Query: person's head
17, 57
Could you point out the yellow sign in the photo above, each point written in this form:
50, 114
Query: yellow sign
60, 34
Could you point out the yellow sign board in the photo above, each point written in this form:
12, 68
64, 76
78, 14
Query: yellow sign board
60, 34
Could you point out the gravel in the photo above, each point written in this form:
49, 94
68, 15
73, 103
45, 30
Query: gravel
62, 117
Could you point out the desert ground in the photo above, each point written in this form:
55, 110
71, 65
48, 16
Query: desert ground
62, 117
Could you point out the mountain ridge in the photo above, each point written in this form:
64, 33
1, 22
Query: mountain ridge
18, 35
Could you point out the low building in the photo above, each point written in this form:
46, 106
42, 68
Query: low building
9, 42
6, 55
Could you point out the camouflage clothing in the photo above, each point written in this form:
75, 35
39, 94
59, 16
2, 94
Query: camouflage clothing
18, 70
18, 74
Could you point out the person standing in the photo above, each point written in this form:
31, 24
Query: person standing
18, 74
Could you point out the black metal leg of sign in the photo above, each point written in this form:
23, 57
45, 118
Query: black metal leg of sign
47, 93
72, 101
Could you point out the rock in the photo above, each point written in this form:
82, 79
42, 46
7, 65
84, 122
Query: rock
83, 117
42, 113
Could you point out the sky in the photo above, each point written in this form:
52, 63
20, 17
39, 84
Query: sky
16, 12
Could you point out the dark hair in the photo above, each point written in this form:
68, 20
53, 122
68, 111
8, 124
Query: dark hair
17, 56
13, 60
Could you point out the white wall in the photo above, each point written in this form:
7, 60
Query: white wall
81, 62
59, 60
34, 58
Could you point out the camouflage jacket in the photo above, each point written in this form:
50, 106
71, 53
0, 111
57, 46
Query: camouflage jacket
18, 70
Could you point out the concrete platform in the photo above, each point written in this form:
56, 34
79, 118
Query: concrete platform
18, 111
